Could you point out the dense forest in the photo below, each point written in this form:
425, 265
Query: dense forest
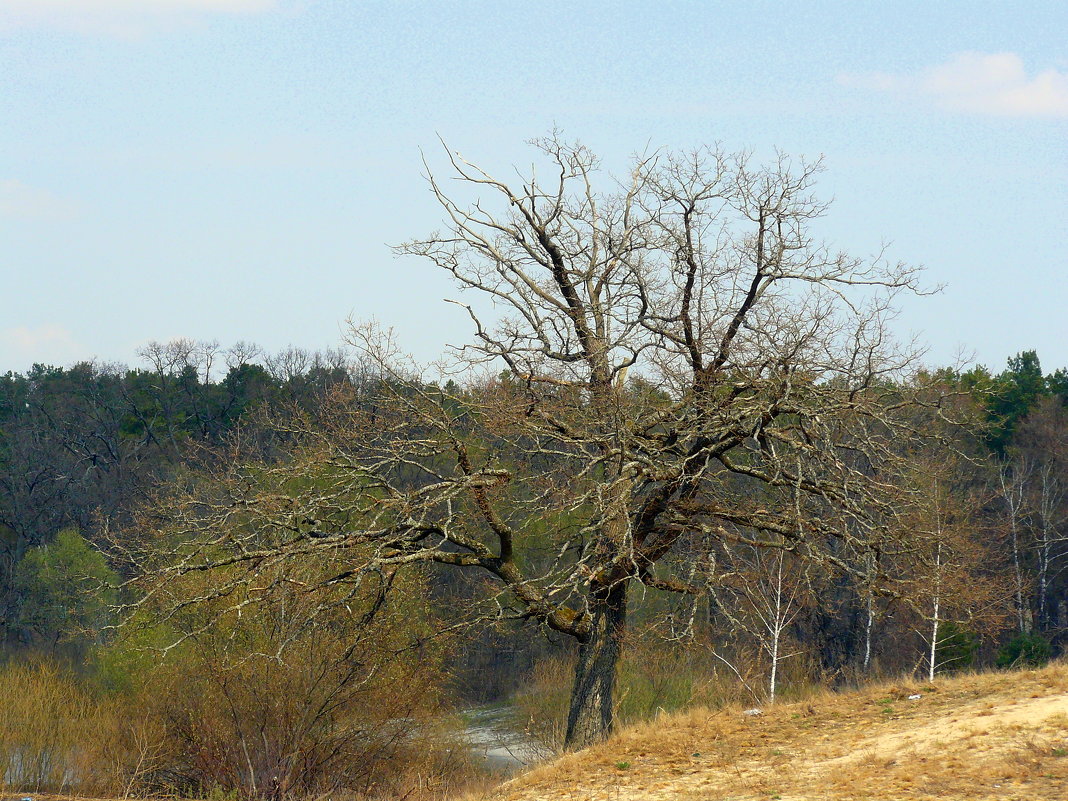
85, 447
686, 466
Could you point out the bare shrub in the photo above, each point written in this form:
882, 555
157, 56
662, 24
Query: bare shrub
41, 716
56, 735
284, 699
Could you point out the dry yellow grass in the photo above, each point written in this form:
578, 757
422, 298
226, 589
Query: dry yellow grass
989, 736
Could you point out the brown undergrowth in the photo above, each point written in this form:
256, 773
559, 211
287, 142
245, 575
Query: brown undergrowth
983, 736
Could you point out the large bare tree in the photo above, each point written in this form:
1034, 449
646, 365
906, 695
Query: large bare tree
668, 361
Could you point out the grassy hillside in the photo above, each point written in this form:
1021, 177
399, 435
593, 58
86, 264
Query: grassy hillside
989, 736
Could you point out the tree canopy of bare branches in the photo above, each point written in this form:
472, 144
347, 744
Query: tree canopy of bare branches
668, 361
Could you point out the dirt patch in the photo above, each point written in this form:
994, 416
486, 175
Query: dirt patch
990, 725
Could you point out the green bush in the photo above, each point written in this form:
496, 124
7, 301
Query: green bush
66, 590
1025, 649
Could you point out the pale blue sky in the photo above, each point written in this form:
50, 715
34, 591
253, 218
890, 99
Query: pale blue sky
236, 169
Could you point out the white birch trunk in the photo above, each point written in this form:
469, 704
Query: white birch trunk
932, 662
1012, 493
778, 624
867, 633
1047, 510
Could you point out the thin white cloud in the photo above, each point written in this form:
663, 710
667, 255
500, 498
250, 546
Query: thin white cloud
125, 18
22, 201
22, 346
977, 83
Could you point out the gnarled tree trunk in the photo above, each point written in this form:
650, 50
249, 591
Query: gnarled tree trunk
590, 715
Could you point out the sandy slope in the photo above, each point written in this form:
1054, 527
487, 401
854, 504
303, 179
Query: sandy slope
993, 736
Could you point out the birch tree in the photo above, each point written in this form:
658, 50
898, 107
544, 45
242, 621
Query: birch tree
956, 588
761, 598
1012, 480
1042, 442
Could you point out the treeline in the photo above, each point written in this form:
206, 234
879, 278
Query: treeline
81, 447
